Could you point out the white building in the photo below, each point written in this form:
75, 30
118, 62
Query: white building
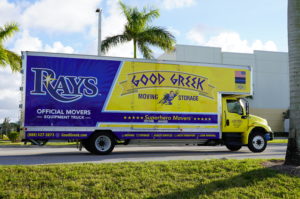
270, 77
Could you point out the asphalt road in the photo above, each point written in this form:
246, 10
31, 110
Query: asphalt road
31, 155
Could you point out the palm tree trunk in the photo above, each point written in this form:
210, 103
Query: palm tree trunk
134, 48
293, 149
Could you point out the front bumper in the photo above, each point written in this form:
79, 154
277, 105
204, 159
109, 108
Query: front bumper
269, 136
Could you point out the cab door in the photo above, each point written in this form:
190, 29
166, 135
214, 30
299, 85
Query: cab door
234, 116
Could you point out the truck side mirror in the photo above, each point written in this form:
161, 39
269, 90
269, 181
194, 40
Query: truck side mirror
245, 105
247, 108
246, 114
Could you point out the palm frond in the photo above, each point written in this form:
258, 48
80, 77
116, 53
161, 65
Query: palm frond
137, 20
126, 10
131, 14
145, 50
113, 41
13, 60
149, 16
135, 23
158, 36
3, 56
7, 31
8, 57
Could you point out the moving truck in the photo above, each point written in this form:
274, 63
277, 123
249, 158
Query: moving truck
106, 101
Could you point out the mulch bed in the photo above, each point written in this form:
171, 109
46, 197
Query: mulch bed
278, 165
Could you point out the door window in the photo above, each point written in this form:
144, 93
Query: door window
234, 106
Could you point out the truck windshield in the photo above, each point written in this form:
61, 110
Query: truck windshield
234, 106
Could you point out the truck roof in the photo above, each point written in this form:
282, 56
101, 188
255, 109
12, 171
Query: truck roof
82, 56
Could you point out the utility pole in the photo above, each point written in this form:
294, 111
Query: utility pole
99, 11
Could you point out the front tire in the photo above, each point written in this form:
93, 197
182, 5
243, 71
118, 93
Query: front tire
100, 143
257, 142
233, 147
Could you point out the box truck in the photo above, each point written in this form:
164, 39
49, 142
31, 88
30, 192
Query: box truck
106, 101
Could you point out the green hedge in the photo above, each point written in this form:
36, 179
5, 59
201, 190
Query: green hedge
13, 136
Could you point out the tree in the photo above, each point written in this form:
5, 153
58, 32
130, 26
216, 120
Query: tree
8, 57
6, 126
293, 149
138, 30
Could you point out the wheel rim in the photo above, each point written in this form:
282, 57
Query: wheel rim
103, 143
258, 142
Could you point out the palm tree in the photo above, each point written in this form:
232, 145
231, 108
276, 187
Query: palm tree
293, 149
138, 29
8, 57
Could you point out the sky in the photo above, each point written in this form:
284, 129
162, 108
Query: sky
71, 26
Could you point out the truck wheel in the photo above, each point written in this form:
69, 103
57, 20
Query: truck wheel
233, 147
257, 142
100, 143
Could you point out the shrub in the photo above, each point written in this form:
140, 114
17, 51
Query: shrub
5, 137
13, 136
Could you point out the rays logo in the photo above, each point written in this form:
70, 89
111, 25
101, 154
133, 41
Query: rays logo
63, 88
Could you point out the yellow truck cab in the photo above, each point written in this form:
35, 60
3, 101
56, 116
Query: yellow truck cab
239, 128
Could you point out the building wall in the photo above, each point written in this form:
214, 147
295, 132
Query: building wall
270, 77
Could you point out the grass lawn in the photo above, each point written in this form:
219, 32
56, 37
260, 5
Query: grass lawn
9, 143
170, 179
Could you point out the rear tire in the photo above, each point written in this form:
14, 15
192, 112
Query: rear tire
233, 147
100, 143
257, 142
